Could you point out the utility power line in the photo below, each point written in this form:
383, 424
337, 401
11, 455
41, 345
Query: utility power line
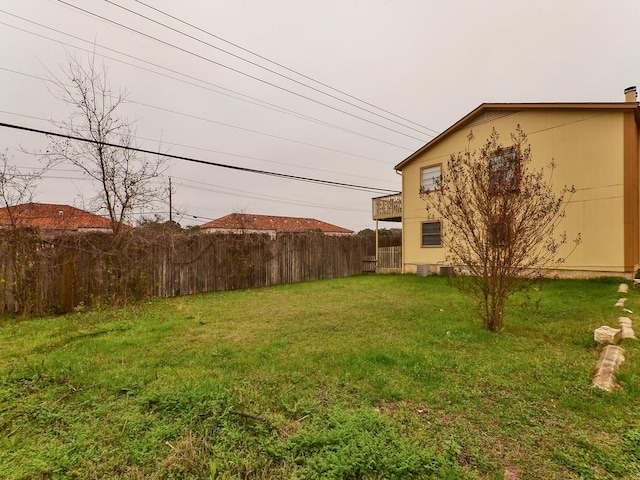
194, 185
207, 187
198, 217
217, 152
171, 144
204, 162
261, 66
249, 157
229, 125
283, 66
246, 99
240, 72
244, 129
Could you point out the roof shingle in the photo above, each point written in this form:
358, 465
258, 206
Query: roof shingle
243, 221
49, 216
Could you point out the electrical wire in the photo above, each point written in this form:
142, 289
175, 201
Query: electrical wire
197, 217
207, 187
247, 98
240, 72
244, 129
314, 145
204, 162
303, 167
236, 193
208, 150
284, 67
213, 151
262, 66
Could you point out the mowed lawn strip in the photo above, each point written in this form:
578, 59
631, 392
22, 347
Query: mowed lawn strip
362, 377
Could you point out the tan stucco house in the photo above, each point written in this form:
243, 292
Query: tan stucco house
595, 147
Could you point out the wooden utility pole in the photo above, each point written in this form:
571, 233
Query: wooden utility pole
170, 203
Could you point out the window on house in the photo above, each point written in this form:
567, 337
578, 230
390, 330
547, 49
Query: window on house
430, 178
431, 234
500, 233
504, 170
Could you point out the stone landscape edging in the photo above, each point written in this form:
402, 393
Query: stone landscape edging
612, 355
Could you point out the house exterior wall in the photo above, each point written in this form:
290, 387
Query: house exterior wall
593, 149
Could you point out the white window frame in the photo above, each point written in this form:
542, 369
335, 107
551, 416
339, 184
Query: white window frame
430, 178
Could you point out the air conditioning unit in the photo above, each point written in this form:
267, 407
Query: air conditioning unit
424, 270
446, 271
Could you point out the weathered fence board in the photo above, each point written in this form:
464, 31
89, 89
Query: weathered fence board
389, 258
58, 274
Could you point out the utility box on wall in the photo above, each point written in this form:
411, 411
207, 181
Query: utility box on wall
446, 271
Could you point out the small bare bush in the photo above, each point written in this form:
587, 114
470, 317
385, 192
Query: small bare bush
500, 220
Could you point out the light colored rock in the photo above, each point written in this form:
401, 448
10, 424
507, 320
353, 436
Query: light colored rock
625, 321
512, 473
626, 327
621, 302
623, 288
606, 335
610, 360
611, 355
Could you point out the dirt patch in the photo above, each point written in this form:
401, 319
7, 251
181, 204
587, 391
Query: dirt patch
512, 472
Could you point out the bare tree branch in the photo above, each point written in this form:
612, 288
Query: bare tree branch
500, 220
125, 183
15, 187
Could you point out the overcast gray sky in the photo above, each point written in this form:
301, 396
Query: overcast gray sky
425, 61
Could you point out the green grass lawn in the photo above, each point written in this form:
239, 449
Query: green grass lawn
365, 377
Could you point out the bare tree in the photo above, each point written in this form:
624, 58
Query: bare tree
18, 244
16, 187
499, 221
125, 182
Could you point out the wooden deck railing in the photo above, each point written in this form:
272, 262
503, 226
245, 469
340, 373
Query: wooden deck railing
388, 207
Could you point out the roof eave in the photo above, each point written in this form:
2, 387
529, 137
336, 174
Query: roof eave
519, 106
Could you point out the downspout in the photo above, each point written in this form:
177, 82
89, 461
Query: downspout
631, 255
399, 172
377, 244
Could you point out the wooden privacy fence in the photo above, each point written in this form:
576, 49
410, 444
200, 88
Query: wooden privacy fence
389, 259
58, 274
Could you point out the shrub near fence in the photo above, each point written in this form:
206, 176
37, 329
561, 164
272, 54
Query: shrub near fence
42, 274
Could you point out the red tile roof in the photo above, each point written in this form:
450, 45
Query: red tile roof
243, 221
48, 216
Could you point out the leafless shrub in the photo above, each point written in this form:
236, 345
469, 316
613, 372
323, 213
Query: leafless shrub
500, 221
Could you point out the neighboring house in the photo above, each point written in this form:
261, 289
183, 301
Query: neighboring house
272, 225
50, 218
595, 148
